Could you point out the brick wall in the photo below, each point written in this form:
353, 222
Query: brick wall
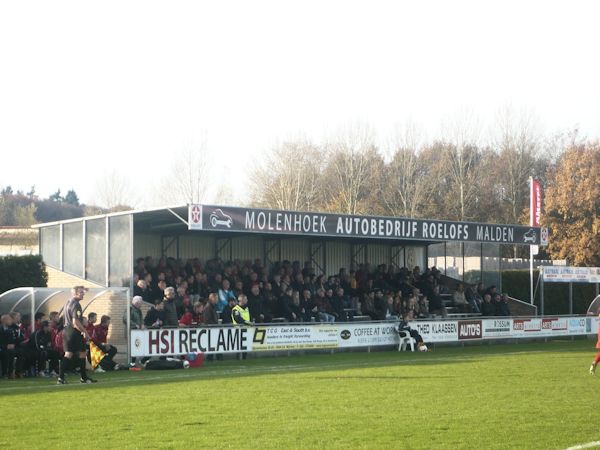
111, 303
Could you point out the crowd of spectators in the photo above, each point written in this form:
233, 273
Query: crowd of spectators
192, 292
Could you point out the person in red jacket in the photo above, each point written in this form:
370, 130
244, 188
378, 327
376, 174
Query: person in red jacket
99, 337
92, 319
597, 358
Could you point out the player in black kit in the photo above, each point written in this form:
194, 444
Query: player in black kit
75, 336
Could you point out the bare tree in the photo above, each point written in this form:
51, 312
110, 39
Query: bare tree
187, 179
461, 156
113, 191
353, 169
405, 188
517, 144
288, 177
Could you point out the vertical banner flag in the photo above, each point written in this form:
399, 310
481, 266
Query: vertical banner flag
536, 203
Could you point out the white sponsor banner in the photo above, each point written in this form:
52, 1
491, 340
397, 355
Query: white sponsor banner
562, 274
437, 331
282, 337
496, 328
293, 337
368, 334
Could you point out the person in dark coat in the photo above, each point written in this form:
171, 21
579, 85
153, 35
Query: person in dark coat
502, 308
487, 307
170, 309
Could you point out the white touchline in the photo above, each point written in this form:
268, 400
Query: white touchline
587, 445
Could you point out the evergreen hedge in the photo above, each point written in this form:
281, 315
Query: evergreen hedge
22, 271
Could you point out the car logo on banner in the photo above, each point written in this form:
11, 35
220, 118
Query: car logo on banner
530, 236
219, 219
345, 334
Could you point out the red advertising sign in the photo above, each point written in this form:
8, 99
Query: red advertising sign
536, 203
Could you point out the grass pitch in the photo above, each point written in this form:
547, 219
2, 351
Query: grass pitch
536, 395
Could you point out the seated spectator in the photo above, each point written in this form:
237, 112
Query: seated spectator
91, 322
39, 318
487, 307
459, 299
337, 304
99, 337
368, 306
41, 351
436, 304
155, 316
404, 326
473, 299
307, 307
324, 310
290, 305
194, 317
501, 307
226, 314
388, 312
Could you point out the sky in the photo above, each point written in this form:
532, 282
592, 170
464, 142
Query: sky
89, 88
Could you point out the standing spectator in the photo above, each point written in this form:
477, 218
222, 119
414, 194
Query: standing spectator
170, 308
10, 339
155, 316
141, 290
240, 315
256, 304
136, 321
211, 317
225, 293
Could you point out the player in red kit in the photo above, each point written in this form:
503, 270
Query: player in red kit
597, 358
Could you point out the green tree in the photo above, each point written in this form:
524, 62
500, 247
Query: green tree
71, 198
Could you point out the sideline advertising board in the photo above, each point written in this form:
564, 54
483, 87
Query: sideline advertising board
564, 274
286, 337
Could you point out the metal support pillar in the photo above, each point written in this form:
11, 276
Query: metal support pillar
166, 243
223, 249
272, 252
317, 255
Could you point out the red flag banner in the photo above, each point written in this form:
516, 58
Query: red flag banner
536, 203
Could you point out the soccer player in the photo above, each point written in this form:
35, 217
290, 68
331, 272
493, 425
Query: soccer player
75, 336
597, 358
